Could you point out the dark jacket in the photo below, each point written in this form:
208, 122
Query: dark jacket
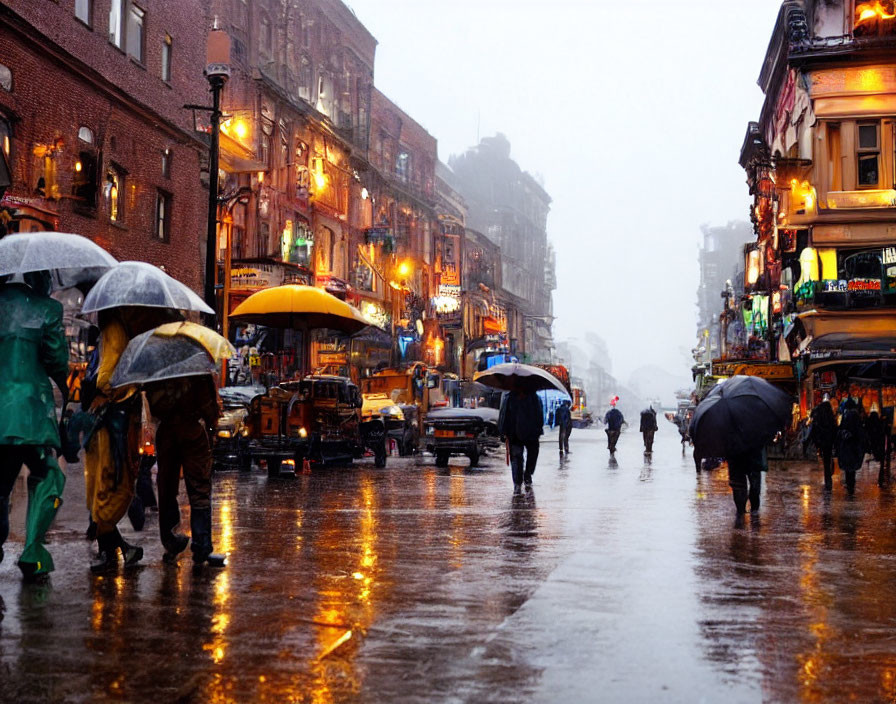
563, 416
824, 425
648, 421
521, 417
614, 419
851, 441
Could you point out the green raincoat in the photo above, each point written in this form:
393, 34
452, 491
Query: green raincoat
33, 348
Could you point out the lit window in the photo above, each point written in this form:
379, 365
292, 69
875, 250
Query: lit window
85, 134
113, 192
115, 19
135, 32
163, 216
868, 155
5, 136
166, 58
83, 10
84, 185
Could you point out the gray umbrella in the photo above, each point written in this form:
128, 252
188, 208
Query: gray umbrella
149, 357
141, 284
71, 258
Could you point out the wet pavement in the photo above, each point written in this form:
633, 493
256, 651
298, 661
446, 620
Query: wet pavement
609, 581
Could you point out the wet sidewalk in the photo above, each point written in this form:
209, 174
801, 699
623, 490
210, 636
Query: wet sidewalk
609, 581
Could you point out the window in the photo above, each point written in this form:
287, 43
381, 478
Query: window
5, 137
115, 20
135, 32
113, 193
265, 38
84, 10
84, 186
868, 155
403, 166
163, 216
166, 163
835, 171
166, 58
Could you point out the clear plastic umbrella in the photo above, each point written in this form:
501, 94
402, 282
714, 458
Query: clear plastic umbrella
71, 258
149, 357
141, 284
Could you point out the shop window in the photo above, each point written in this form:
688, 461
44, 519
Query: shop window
868, 155
84, 11
116, 30
84, 184
166, 58
136, 17
163, 216
113, 194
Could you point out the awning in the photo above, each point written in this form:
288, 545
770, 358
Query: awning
233, 164
844, 345
869, 323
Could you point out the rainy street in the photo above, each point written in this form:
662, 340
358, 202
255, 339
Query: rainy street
608, 581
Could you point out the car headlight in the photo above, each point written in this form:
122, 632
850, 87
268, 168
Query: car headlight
224, 434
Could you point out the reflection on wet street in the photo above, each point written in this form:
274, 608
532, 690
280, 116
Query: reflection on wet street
623, 580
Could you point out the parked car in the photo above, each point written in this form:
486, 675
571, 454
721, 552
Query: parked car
229, 449
461, 431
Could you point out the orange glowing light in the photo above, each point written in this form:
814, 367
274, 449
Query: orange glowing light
869, 11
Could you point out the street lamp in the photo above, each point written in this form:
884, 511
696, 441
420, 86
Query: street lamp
217, 71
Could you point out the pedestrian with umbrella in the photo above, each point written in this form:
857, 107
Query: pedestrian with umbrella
521, 419
129, 300
823, 432
33, 345
174, 365
736, 420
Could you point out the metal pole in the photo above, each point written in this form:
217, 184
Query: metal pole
217, 85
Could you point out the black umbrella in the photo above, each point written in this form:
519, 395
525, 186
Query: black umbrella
513, 376
739, 414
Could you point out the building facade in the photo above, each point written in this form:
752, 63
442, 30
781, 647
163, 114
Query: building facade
94, 130
821, 272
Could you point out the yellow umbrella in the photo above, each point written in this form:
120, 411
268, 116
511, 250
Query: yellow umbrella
218, 348
295, 306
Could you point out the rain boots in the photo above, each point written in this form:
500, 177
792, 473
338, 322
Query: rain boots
201, 527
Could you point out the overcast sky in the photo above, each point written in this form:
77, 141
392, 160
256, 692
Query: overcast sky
632, 112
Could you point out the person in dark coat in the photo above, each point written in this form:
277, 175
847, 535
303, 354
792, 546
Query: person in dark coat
822, 432
745, 478
874, 431
563, 418
188, 410
613, 420
851, 443
521, 422
648, 428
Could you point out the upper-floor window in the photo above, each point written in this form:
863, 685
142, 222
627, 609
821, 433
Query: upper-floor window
135, 32
874, 17
113, 193
84, 11
403, 166
166, 58
163, 216
116, 30
868, 155
265, 38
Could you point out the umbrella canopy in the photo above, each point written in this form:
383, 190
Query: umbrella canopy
72, 258
144, 285
217, 346
514, 376
294, 306
739, 414
150, 357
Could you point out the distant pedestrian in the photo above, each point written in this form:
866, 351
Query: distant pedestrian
33, 348
851, 443
874, 431
521, 422
648, 428
563, 416
614, 421
822, 433
745, 478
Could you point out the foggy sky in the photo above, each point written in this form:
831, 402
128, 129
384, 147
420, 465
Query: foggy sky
632, 112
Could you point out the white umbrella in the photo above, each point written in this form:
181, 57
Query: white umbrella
71, 258
143, 285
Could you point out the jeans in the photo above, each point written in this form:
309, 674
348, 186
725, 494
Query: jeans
516, 459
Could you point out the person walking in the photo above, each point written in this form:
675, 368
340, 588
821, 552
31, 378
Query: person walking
822, 432
851, 443
34, 350
187, 410
613, 420
563, 418
648, 428
745, 478
520, 421
874, 431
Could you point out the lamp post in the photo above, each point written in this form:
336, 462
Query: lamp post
217, 71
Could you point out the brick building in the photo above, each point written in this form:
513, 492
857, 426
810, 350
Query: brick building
93, 125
